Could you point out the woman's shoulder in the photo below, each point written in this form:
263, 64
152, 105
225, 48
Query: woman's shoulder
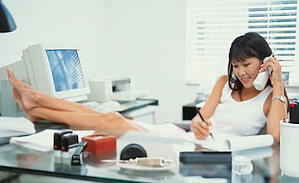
220, 83
222, 80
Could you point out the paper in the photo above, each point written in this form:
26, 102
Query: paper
256, 153
43, 141
15, 126
221, 141
235, 143
249, 142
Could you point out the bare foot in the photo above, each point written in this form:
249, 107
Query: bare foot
26, 96
28, 113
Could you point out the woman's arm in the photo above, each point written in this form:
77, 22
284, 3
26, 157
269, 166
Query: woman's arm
277, 109
201, 129
213, 100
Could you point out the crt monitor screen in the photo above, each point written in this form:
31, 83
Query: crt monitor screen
66, 69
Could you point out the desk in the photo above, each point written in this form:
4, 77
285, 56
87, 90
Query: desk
136, 104
46, 166
140, 110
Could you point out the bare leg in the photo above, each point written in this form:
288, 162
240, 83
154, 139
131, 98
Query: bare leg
38, 105
109, 121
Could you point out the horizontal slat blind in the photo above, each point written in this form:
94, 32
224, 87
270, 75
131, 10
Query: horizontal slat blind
211, 26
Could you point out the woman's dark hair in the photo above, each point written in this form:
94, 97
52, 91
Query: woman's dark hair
243, 47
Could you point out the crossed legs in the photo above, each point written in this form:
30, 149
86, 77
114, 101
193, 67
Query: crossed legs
39, 106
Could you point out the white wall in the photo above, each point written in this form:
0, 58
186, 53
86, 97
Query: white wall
144, 39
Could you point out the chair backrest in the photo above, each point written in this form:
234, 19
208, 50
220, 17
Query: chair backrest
263, 130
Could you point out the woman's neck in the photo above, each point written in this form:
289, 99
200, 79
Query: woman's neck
248, 93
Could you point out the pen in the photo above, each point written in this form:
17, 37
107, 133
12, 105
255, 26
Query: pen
198, 112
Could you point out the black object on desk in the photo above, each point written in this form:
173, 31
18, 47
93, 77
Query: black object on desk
57, 138
189, 111
202, 157
67, 140
294, 111
77, 156
132, 151
208, 164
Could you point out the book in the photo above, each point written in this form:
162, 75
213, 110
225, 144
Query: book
15, 126
43, 141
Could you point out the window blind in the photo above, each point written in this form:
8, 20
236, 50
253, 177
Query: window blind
211, 26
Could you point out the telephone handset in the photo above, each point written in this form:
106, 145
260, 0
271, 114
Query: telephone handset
262, 78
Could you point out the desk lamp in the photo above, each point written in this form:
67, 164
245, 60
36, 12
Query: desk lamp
7, 24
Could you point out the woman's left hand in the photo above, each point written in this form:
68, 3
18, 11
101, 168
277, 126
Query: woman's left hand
275, 76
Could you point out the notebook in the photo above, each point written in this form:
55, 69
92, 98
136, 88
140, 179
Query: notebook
234, 143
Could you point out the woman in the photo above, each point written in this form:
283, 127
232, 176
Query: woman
235, 105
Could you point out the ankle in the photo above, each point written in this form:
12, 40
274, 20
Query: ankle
37, 98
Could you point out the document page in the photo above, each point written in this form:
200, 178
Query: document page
225, 142
249, 142
43, 141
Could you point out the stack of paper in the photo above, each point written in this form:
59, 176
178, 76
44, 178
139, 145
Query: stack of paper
15, 126
43, 141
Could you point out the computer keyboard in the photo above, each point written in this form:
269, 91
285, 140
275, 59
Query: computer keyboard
117, 106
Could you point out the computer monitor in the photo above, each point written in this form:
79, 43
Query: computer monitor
54, 69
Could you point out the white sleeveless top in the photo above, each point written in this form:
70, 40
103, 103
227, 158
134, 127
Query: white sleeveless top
239, 118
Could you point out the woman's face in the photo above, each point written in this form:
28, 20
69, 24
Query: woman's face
247, 71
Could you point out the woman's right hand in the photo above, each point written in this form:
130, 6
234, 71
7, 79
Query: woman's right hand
200, 128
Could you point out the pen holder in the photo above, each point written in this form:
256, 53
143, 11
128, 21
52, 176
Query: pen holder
289, 149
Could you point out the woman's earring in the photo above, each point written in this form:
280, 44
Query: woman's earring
234, 76
233, 80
